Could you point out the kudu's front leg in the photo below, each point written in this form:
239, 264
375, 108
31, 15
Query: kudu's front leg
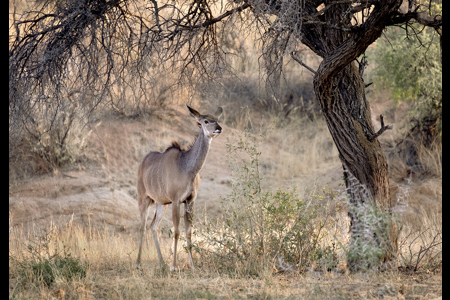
188, 218
176, 233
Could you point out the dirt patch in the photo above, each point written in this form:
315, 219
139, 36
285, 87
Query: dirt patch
105, 192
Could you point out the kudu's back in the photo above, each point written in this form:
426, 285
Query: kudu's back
162, 178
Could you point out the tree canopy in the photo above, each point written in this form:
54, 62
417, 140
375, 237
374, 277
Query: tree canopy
99, 43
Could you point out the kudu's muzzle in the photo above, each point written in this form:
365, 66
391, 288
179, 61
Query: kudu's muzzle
218, 129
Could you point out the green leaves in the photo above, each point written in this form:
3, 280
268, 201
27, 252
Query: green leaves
410, 65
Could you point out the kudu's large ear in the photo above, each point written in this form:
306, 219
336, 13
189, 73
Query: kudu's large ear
195, 114
218, 112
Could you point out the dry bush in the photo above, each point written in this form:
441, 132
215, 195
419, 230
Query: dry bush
430, 159
420, 243
409, 157
53, 139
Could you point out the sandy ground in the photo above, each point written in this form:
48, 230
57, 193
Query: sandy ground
102, 188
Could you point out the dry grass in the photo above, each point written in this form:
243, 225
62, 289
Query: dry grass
110, 257
97, 221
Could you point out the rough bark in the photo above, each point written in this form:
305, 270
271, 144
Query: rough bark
339, 88
364, 163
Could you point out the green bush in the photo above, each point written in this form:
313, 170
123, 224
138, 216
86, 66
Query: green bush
48, 269
41, 266
265, 230
411, 66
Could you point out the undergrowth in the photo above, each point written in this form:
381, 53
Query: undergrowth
269, 231
263, 230
43, 263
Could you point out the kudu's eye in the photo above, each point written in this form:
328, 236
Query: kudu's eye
206, 122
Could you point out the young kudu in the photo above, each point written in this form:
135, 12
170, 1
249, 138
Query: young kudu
173, 178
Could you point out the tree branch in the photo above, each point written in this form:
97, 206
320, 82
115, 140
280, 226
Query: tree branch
353, 47
301, 63
399, 18
217, 19
382, 129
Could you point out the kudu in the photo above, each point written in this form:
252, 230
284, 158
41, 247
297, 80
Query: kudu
172, 177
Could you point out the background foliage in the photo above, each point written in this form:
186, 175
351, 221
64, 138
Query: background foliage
409, 64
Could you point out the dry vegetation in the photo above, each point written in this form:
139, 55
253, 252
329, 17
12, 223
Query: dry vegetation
73, 215
89, 210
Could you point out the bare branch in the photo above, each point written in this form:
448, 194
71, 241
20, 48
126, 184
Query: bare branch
217, 19
382, 129
404, 18
301, 63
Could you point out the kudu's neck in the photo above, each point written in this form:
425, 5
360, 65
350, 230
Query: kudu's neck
194, 158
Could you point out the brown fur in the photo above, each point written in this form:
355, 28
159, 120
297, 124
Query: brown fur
172, 177
174, 145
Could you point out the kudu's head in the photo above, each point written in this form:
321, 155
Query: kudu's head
208, 123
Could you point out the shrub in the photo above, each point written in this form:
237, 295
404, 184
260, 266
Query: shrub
412, 69
420, 248
265, 230
52, 137
43, 267
371, 240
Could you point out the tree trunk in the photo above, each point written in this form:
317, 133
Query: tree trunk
339, 88
348, 117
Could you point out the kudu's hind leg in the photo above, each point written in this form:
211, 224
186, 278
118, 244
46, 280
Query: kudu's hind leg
188, 217
144, 215
159, 213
